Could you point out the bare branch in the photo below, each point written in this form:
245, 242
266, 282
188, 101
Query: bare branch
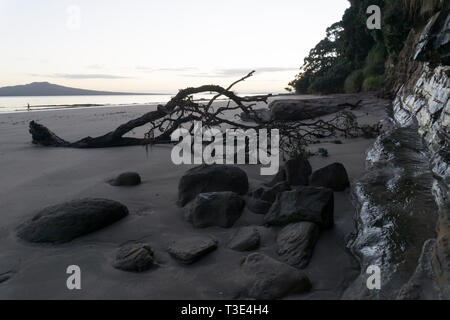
183, 109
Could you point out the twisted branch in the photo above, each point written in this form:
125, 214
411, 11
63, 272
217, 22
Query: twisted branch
183, 109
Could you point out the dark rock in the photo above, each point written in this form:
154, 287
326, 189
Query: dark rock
268, 279
257, 206
136, 257
298, 171
5, 276
126, 179
220, 209
270, 194
262, 198
296, 243
279, 177
245, 239
296, 109
333, 177
189, 250
257, 193
303, 204
211, 178
66, 221
295, 171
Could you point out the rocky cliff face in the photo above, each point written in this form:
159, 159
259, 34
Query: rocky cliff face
413, 153
425, 98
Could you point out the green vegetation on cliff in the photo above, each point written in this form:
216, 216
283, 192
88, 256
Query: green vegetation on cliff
352, 58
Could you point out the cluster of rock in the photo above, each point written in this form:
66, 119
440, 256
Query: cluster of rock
300, 201
211, 178
67, 221
215, 196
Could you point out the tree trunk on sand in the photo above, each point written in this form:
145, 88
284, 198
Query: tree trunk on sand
182, 109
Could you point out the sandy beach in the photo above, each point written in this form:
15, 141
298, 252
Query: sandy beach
34, 177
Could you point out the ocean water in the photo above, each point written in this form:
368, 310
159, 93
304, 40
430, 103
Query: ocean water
19, 104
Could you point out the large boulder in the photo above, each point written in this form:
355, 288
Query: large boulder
245, 239
267, 279
297, 110
295, 172
262, 198
126, 179
303, 204
67, 221
211, 178
220, 209
296, 243
269, 194
333, 176
278, 178
298, 171
257, 206
189, 250
135, 257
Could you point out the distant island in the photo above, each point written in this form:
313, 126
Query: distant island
50, 89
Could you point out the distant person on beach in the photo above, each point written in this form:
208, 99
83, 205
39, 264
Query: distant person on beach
28, 107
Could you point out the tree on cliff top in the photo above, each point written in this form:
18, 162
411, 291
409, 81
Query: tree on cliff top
351, 52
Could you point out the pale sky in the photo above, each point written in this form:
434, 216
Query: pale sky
160, 45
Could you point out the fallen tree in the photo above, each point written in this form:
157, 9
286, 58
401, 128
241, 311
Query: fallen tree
183, 109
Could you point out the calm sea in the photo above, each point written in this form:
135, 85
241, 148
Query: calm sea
18, 104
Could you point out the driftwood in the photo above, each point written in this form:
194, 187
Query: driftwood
183, 109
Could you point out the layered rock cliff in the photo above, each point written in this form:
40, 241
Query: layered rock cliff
406, 189
424, 98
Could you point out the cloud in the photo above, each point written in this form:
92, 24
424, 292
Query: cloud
81, 76
169, 69
192, 72
243, 71
235, 72
95, 66
277, 69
